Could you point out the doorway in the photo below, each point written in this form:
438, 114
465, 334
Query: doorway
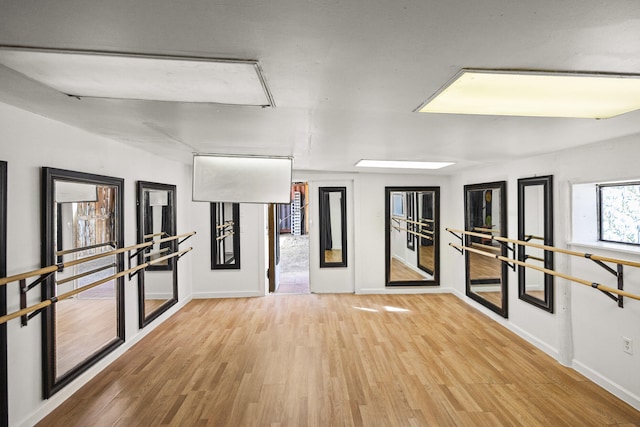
292, 245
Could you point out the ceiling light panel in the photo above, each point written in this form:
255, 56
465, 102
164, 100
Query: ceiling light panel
141, 77
401, 164
539, 94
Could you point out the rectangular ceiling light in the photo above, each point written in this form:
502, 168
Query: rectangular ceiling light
401, 164
143, 77
241, 179
539, 94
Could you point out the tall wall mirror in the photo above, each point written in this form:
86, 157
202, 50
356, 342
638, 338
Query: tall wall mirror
535, 225
485, 207
225, 236
158, 283
412, 221
333, 226
4, 386
82, 216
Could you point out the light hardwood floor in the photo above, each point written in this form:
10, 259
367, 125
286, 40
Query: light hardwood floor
337, 360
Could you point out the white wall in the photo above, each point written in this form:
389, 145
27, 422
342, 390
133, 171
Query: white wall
28, 142
585, 331
369, 192
249, 280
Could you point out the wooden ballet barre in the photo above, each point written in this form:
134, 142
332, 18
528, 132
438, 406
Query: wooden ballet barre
85, 248
149, 236
547, 248
597, 286
53, 300
161, 251
487, 247
528, 237
58, 267
412, 232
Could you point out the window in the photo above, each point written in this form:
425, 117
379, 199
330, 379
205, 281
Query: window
619, 212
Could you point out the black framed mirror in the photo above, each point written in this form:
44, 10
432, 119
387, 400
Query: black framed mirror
4, 381
412, 238
485, 207
82, 216
225, 236
535, 225
158, 283
333, 226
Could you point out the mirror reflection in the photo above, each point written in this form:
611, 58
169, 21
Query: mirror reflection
83, 218
535, 225
333, 224
412, 239
158, 283
485, 212
225, 235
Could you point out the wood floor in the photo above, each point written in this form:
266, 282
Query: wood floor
337, 360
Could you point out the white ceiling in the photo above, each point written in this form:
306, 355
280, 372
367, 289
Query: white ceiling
345, 75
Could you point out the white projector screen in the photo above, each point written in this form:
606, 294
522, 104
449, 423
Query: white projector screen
218, 178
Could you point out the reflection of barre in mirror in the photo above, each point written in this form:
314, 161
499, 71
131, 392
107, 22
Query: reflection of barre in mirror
225, 236
37, 308
231, 233
600, 260
415, 233
86, 248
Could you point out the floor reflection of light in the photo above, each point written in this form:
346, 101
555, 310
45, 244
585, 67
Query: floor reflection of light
366, 309
395, 309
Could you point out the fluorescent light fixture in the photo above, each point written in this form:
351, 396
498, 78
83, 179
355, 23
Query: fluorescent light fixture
401, 164
536, 93
142, 77
241, 179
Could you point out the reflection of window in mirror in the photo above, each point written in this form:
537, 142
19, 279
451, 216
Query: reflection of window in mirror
333, 225
535, 225
225, 236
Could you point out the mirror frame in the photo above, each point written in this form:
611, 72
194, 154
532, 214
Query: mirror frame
4, 381
502, 186
322, 191
145, 318
51, 383
436, 236
546, 182
235, 214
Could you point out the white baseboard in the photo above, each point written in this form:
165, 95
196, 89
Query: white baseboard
226, 294
613, 388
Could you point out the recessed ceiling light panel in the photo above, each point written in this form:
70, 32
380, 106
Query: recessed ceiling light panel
142, 77
539, 94
401, 164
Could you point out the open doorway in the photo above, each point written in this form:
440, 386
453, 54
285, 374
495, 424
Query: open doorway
293, 241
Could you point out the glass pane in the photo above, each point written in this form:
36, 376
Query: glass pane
86, 322
620, 213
